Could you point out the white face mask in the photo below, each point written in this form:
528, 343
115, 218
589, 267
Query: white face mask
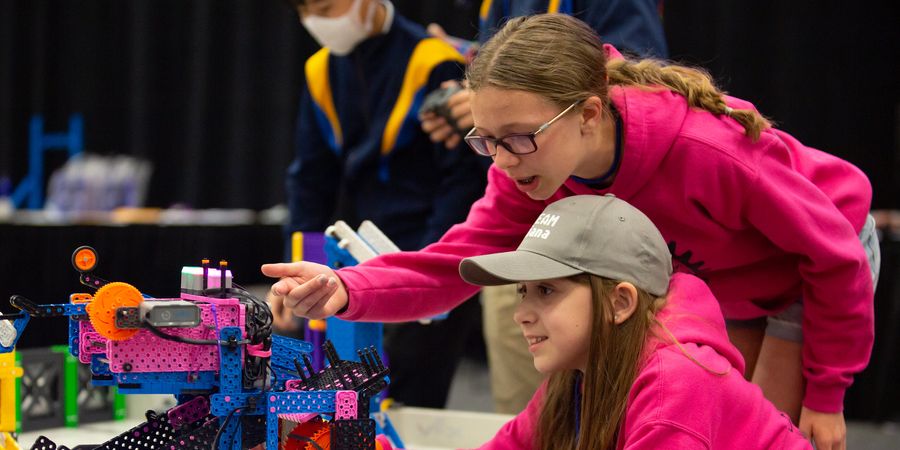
342, 34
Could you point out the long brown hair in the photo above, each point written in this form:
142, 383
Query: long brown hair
562, 59
613, 360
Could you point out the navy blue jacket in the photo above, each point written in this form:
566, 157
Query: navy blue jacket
360, 150
633, 26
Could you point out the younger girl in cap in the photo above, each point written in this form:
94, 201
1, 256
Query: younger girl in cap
634, 361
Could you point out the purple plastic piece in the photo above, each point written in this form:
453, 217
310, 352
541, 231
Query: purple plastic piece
314, 247
316, 338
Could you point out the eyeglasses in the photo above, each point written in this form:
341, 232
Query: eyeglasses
516, 143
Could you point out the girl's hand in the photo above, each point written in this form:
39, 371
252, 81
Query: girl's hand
307, 289
282, 318
826, 430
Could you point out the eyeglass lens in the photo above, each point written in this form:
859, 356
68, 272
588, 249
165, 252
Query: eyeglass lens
516, 144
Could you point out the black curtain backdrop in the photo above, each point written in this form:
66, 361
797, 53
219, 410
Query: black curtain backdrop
824, 71
208, 89
205, 89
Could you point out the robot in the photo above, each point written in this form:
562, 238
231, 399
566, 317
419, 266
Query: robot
237, 384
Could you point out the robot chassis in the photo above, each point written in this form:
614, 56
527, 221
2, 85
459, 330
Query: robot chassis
213, 349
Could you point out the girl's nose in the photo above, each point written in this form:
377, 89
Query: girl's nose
523, 314
505, 159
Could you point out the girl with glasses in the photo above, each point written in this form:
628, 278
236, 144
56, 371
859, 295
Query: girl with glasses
778, 230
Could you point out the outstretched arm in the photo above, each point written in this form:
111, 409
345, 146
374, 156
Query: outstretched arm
411, 285
405, 286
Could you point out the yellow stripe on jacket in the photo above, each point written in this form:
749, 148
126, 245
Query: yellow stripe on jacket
554, 6
320, 91
485, 9
426, 56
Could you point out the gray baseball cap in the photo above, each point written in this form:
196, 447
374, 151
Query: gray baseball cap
599, 235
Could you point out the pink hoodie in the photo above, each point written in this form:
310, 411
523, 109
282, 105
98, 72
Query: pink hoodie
763, 223
674, 402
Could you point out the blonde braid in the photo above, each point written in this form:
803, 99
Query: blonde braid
694, 84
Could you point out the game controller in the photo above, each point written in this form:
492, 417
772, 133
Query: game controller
436, 102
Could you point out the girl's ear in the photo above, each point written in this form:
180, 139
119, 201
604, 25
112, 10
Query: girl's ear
624, 301
591, 113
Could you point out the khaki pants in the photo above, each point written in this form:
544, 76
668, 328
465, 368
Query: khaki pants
513, 376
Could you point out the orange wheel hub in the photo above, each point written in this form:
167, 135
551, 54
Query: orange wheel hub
84, 259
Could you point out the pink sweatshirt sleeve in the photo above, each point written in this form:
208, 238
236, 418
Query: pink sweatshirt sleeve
519, 433
413, 285
837, 292
660, 434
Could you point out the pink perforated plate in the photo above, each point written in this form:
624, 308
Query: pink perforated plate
345, 405
146, 352
90, 343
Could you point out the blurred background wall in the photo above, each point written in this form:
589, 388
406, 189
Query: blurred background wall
208, 89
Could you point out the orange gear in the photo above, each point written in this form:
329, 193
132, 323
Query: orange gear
102, 310
317, 431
